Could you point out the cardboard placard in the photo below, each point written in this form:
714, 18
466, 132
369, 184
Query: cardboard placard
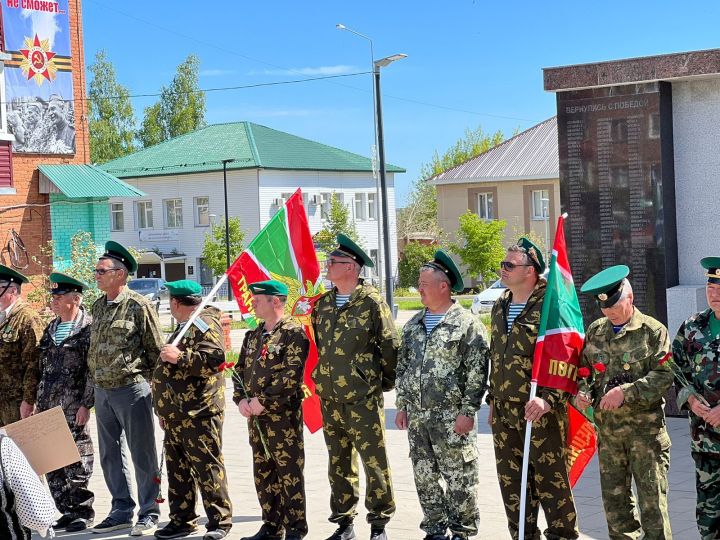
45, 439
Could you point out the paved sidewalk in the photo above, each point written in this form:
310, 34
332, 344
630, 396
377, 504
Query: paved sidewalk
405, 524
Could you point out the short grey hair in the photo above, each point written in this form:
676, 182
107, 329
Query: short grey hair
436, 272
117, 265
627, 289
517, 249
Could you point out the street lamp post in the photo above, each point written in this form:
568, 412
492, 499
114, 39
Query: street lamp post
377, 64
227, 223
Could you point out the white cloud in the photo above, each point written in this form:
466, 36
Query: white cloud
44, 25
340, 69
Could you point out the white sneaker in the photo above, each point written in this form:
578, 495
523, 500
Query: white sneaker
143, 525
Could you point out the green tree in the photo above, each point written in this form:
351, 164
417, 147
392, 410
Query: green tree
181, 108
214, 252
111, 119
151, 131
414, 256
480, 246
338, 221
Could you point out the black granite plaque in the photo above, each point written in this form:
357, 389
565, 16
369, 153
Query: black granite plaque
617, 185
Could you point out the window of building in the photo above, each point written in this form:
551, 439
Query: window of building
202, 211
144, 214
117, 217
540, 202
372, 206
173, 214
360, 206
485, 206
6, 176
325, 199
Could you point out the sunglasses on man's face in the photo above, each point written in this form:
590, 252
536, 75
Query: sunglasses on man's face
103, 271
507, 265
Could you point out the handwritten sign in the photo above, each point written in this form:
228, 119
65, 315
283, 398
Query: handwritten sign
45, 439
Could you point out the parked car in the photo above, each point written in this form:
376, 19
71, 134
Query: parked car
151, 288
484, 301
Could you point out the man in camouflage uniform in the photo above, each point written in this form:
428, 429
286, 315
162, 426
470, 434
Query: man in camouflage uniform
65, 382
627, 354
20, 331
189, 397
270, 370
696, 349
357, 349
125, 343
514, 329
441, 376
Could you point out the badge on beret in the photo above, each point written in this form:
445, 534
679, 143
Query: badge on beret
602, 296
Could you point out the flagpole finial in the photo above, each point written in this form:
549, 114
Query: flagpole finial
565, 215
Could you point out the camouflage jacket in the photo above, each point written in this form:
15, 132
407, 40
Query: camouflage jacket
696, 352
193, 388
64, 375
512, 352
357, 346
125, 341
634, 360
448, 369
272, 365
20, 334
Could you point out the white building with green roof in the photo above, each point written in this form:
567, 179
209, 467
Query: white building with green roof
182, 180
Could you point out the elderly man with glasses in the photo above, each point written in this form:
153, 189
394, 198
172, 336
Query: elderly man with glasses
20, 332
125, 344
357, 348
514, 330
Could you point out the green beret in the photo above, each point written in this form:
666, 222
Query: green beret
115, 251
536, 257
348, 248
271, 287
184, 287
62, 283
606, 285
712, 265
445, 264
8, 274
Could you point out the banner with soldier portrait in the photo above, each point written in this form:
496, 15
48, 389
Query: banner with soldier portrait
39, 97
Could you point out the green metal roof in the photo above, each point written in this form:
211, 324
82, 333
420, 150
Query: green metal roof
77, 181
250, 145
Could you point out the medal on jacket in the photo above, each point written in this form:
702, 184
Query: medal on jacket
626, 365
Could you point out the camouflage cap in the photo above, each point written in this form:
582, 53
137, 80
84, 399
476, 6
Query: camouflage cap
347, 248
271, 287
606, 285
712, 265
115, 251
445, 264
8, 274
534, 253
184, 287
62, 283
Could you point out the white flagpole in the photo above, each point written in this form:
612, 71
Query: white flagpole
200, 307
526, 460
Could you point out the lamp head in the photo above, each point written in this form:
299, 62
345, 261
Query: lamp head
383, 62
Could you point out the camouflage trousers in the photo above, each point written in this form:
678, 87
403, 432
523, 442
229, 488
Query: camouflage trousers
9, 412
624, 455
351, 429
280, 482
707, 481
193, 457
440, 455
547, 481
69, 485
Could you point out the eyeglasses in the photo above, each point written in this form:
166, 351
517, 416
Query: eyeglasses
331, 262
506, 265
103, 271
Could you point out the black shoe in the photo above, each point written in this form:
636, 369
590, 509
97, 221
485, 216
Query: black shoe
293, 537
176, 530
110, 524
266, 532
78, 524
436, 537
215, 534
378, 534
344, 532
63, 522
458, 537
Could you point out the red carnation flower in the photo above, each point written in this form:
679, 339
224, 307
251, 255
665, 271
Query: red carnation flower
583, 372
159, 500
156, 479
599, 367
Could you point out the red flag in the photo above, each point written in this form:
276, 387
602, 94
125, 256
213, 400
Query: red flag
581, 441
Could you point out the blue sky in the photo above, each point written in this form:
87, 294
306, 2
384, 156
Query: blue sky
470, 63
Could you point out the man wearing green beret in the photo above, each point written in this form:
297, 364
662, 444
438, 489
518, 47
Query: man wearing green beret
626, 353
125, 343
20, 331
441, 376
65, 382
695, 351
357, 357
515, 320
189, 397
271, 367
